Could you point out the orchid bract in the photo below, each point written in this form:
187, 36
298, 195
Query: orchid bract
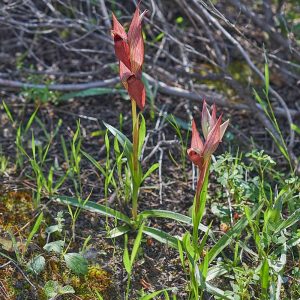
129, 49
200, 153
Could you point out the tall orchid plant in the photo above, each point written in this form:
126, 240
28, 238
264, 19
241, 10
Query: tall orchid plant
129, 49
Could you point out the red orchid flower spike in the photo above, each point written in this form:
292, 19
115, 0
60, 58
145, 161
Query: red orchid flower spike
129, 49
200, 153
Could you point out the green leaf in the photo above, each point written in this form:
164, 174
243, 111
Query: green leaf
280, 146
136, 245
290, 221
123, 140
67, 289
34, 229
56, 246
218, 292
91, 92
37, 264
52, 229
77, 263
278, 265
142, 134
264, 274
178, 123
161, 236
181, 256
204, 267
99, 297
216, 271
295, 128
267, 80
150, 171
173, 216
51, 289
93, 207
118, 231
15, 247
154, 294
8, 111
94, 162
126, 259
190, 250
31, 119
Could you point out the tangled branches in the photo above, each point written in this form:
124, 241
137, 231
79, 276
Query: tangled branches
194, 49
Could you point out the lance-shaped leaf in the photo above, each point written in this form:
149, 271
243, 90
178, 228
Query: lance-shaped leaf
122, 139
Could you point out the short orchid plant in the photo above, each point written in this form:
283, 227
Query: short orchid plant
200, 154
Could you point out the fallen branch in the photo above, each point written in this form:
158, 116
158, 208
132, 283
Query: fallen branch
162, 87
59, 87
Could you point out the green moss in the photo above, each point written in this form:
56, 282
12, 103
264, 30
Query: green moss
16, 210
97, 280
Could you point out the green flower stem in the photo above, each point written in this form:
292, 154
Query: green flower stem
135, 162
135, 135
135, 194
200, 199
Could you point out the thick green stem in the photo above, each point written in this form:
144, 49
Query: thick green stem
135, 194
135, 162
200, 199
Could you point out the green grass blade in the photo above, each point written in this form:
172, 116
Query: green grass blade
142, 134
126, 259
290, 221
295, 128
264, 275
161, 236
34, 230
123, 140
150, 171
173, 216
93, 207
8, 112
31, 119
267, 80
154, 294
118, 231
136, 245
91, 92
217, 292
94, 162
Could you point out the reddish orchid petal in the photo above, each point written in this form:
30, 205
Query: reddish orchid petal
213, 140
196, 140
136, 41
205, 119
195, 152
118, 29
223, 128
125, 73
195, 157
120, 42
136, 91
213, 119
